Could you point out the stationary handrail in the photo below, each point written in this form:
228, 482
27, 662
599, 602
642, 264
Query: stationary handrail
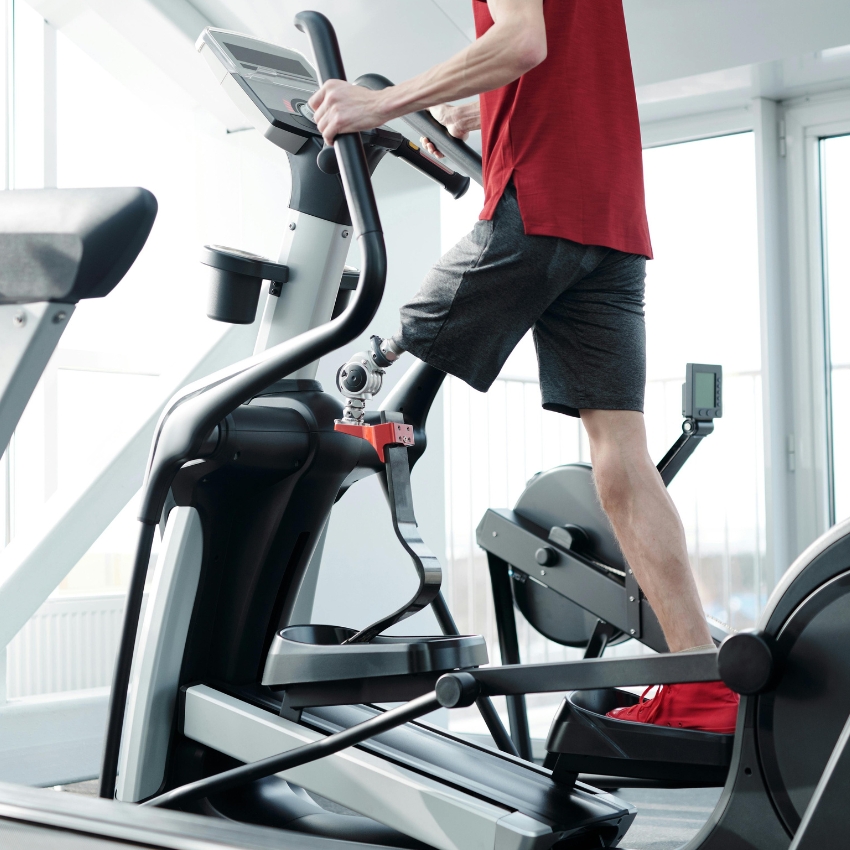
425, 124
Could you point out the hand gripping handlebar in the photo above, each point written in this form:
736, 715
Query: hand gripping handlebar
458, 152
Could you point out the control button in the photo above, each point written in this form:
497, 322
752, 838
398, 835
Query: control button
546, 556
308, 113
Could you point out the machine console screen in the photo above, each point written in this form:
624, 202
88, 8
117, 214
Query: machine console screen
704, 389
282, 84
269, 62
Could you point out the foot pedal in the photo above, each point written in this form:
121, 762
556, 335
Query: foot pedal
583, 740
316, 665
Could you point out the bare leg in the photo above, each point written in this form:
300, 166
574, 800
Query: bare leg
646, 523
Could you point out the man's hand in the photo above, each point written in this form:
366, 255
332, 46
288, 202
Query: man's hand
343, 108
514, 45
460, 121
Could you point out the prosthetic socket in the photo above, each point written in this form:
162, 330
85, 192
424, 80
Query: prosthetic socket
363, 375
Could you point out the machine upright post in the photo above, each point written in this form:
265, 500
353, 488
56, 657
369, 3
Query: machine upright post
509, 649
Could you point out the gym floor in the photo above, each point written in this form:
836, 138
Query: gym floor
666, 819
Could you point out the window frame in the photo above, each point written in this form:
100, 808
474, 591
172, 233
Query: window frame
808, 122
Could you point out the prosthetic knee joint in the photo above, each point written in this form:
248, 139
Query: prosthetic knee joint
363, 375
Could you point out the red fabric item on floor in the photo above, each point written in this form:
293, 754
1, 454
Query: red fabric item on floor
706, 706
568, 133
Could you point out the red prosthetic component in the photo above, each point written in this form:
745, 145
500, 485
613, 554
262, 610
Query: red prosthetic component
380, 436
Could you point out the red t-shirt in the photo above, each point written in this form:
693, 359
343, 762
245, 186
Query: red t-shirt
568, 131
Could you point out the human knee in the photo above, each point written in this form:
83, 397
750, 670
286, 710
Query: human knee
619, 454
612, 481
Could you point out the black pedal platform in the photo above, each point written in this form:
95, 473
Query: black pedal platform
583, 740
316, 653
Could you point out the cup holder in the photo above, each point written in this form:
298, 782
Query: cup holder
235, 280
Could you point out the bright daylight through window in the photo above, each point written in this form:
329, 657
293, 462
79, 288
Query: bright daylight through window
109, 373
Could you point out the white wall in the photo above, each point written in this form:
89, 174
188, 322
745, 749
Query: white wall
671, 39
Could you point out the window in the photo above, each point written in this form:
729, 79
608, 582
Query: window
76, 125
835, 163
702, 306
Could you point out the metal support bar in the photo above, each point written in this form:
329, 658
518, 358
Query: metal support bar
301, 755
582, 675
515, 540
693, 432
503, 602
29, 334
485, 704
633, 605
602, 634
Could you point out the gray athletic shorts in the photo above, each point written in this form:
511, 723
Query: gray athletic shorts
585, 304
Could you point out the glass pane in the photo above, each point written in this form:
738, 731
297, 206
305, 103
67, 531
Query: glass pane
835, 159
702, 305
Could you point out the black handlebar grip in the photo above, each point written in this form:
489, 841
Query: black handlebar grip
459, 152
453, 182
325, 46
424, 123
349, 148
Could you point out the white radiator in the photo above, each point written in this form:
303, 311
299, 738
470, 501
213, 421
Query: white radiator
69, 644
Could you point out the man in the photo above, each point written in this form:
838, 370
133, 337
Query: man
560, 247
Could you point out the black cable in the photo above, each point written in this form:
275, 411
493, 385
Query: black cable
300, 755
485, 705
124, 663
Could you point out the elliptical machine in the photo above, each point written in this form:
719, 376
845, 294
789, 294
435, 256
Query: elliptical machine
244, 470
226, 677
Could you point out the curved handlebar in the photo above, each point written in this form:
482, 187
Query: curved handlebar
424, 123
348, 146
190, 417
325, 46
454, 182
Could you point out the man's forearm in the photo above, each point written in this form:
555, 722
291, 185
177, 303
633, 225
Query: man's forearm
503, 54
515, 44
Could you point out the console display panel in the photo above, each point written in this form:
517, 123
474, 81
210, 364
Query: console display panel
704, 393
255, 59
282, 84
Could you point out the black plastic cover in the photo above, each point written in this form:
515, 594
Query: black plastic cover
587, 741
68, 244
567, 494
317, 653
